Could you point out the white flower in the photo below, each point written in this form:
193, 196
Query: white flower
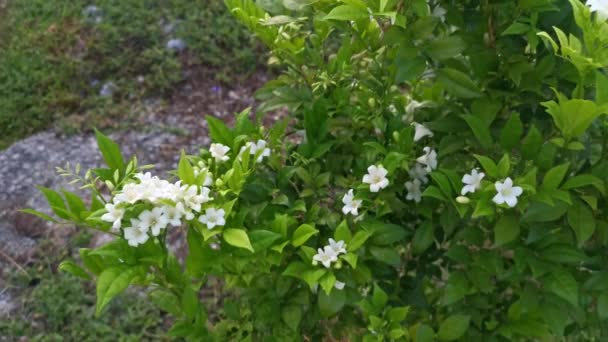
376, 178
339, 285
154, 220
136, 236
421, 131
338, 247
419, 172
174, 214
414, 192
429, 159
218, 151
599, 6
130, 194
254, 148
507, 193
351, 205
213, 217
472, 181
413, 105
113, 215
192, 199
325, 256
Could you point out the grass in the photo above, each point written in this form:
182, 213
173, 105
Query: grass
56, 57
60, 307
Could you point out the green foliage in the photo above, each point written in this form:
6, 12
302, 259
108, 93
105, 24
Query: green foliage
441, 185
55, 57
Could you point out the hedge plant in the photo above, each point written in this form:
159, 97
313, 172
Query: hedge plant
441, 176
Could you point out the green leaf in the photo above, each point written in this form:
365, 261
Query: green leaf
424, 333
343, 232
531, 144
385, 233
458, 83
543, 212
55, 202
72, 268
190, 302
563, 284
582, 222
511, 132
423, 238
292, 315
237, 238
166, 301
504, 166
554, 176
358, 240
185, 172
398, 314
110, 152
506, 230
584, 180
446, 47
601, 88
602, 306
302, 234
453, 328
572, 116
331, 304
488, 165
516, 28
262, 239
327, 282
387, 255
39, 214
346, 12
219, 132
379, 297
111, 282
75, 203
456, 288
481, 132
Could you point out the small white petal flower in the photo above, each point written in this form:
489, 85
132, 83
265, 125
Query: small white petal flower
339, 285
213, 217
472, 182
325, 256
414, 191
413, 106
421, 131
507, 193
254, 148
376, 178
419, 172
599, 6
429, 159
351, 205
218, 151
130, 194
113, 215
338, 247
174, 214
154, 220
136, 236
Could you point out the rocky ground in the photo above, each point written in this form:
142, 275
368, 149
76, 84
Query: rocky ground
164, 129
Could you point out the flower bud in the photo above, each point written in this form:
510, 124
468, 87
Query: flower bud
394, 88
396, 136
463, 200
338, 264
109, 185
371, 102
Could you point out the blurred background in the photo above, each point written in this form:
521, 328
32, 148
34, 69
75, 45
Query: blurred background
144, 71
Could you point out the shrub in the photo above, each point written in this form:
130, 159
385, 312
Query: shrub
70, 57
443, 178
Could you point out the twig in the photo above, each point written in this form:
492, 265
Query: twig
12, 261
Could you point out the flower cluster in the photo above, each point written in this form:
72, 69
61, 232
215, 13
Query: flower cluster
329, 253
425, 164
170, 204
506, 192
